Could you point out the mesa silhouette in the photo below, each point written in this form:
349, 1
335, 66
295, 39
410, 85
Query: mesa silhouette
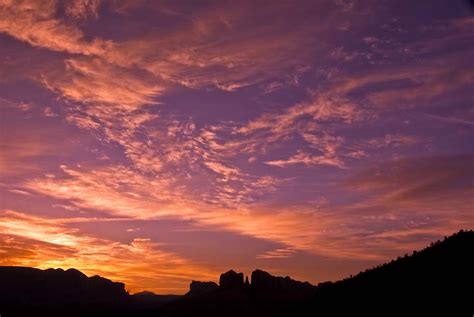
436, 280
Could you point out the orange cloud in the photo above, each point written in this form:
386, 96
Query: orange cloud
307, 159
94, 81
124, 194
83, 9
34, 22
141, 264
111, 84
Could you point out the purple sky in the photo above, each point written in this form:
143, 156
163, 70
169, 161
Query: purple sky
156, 142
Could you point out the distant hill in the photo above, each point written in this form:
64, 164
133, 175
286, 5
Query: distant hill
150, 302
436, 281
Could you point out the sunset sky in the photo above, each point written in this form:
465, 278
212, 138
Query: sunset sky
157, 142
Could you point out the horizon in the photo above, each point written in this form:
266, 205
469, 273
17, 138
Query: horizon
250, 277
159, 142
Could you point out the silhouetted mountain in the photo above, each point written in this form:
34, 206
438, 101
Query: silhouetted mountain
435, 281
21, 284
27, 289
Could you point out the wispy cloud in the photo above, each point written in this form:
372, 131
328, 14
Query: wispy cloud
307, 159
276, 254
427, 182
453, 120
35, 23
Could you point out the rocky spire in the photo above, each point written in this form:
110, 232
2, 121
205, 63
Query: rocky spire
231, 279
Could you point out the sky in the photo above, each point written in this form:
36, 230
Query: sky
159, 142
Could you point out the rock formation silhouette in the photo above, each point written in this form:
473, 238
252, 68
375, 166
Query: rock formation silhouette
19, 284
231, 280
28, 291
435, 281
197, 288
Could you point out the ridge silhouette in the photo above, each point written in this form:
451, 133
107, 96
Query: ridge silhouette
435, 281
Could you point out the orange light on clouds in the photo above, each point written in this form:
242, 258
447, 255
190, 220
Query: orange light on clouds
141, 264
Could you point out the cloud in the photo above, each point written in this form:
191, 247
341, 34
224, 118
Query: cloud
320, 109
93, 81
229, 173
433, 184
48, 112
115, 189
20, 192
13, 154
121, 193
110, 85
21, 149
307, 159
453, 120
409, 86
44, 243
200, 53
392, 140
277, 254
83, 9
34, 22
313, 122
